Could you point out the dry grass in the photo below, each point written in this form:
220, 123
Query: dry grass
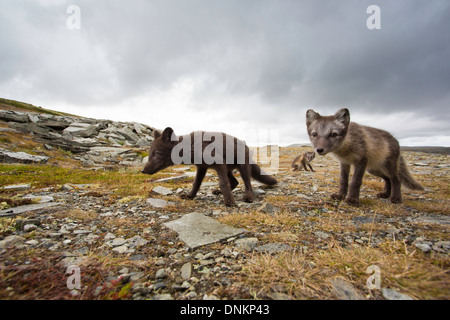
307, 276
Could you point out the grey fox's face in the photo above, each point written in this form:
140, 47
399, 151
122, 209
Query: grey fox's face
327, 132
310, 156
160, 155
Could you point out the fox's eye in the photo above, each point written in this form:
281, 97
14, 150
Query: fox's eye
333, 134
314, 134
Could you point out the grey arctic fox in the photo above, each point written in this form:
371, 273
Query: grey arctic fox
365, 148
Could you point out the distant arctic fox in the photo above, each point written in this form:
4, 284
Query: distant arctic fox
303, 160
363, 147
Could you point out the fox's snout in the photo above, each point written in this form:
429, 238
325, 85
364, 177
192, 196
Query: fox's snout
320, 151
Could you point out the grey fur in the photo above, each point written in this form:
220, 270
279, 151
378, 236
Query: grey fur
366, 148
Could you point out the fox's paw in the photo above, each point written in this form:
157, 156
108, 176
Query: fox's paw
352, 201
248, 198
336, 196
216, 192
230, 203
187, 196
396, 200
383, 195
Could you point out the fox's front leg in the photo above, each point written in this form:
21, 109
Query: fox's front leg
343, 182
201, 172
355, 185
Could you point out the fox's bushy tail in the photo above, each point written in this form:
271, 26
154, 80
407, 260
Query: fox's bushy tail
259, 175
405, 177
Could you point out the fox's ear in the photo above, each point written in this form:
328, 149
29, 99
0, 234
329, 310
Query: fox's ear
311, 115
343, 116
167, 135
156, 134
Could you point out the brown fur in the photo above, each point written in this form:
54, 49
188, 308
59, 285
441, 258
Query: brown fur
160, 157
303, 160
363, 147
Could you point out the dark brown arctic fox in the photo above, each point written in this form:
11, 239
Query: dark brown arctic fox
363, 147
215, 150
303, 160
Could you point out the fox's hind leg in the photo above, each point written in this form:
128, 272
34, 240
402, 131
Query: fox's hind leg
233, 183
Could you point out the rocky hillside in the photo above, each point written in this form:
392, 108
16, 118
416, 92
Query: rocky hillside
93, 142
72, 196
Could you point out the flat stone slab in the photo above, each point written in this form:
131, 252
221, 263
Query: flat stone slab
157, 203
30, 207
273, 248
7, 156
196, 229
16, 187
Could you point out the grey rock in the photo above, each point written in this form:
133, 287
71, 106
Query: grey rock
12, 116
322, 235
27, 208
391, 294
186, 271
162, 191
29, 227
161, 274
16, 187
121, 249
117, 242
268, 208
136, 242
423, 246
344, 290
157, 203
273, 248
366, 219
11, 241
7, 156
164, 296
195, 229
442, 246
247, 244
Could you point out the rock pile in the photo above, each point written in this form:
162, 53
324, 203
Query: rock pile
93, 141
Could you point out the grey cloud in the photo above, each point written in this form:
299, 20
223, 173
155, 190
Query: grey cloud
289, 55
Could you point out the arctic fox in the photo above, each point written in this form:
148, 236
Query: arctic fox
303, 160
230, 154
363, 147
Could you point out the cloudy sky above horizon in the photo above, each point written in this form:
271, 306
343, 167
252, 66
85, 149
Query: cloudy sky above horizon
245, 67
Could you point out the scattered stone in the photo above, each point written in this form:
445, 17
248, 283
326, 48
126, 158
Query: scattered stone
11, 241
391, 294
162, 191
322, 235
247, 244
29, 227
161, 274
424, 247
120, 249
344, 290
196, 229
16, 187
157, 203
186, 271
268, 208
27, 208
164, 296
273, 248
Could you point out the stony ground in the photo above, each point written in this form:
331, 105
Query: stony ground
298, 243
77, 207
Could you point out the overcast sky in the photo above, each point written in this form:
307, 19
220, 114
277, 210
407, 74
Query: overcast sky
236, 66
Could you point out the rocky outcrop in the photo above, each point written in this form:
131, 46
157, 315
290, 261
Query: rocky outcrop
92, 141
